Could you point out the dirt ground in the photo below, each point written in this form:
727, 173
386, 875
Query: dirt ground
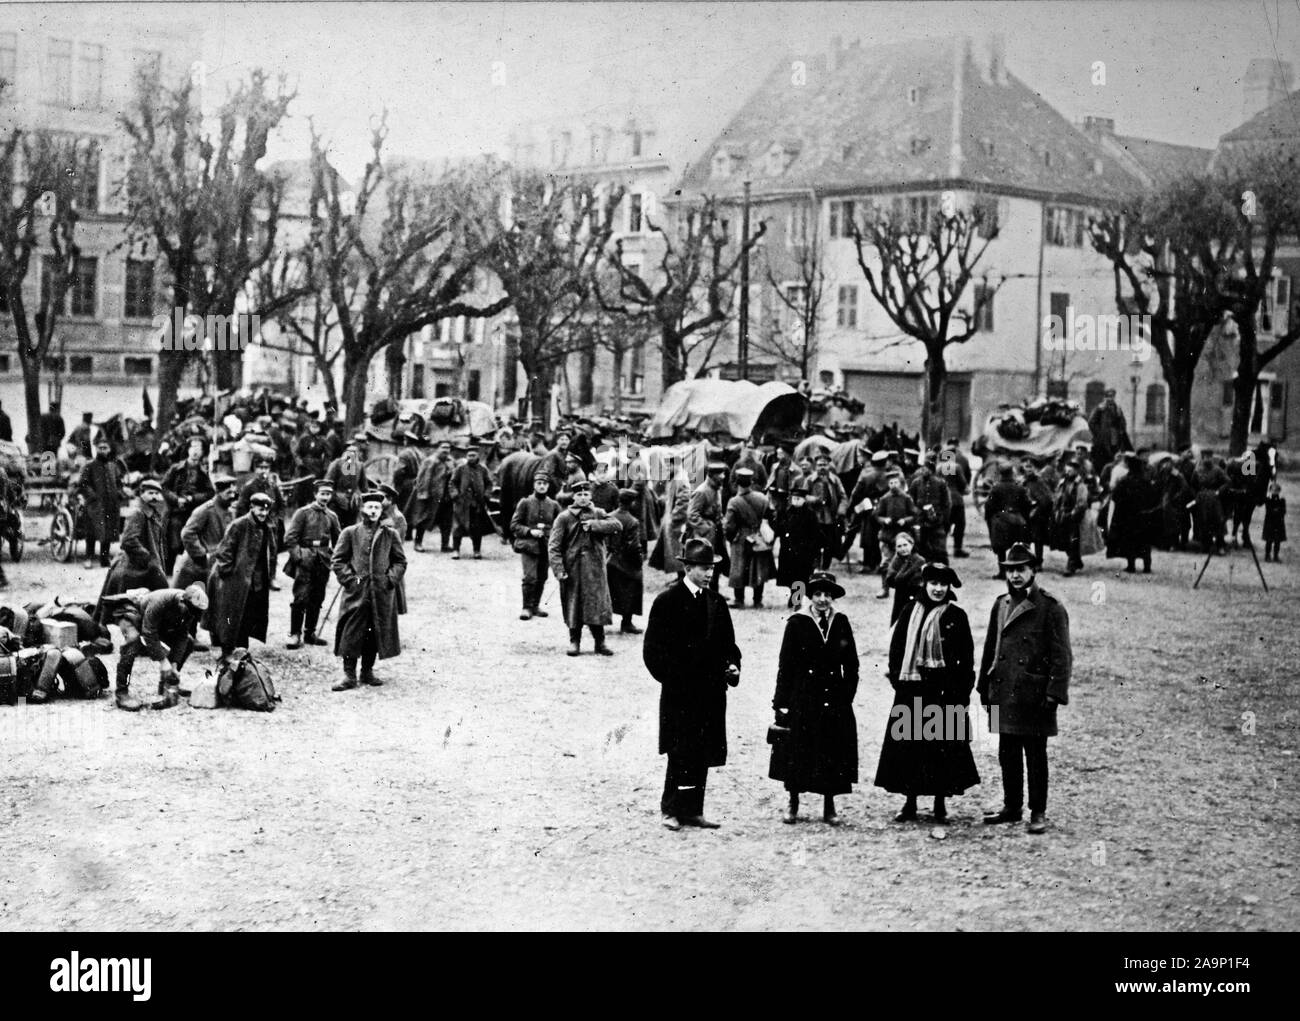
495, 783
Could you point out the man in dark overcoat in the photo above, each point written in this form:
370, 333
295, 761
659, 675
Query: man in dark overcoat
185, 486
627, 550
555, 462
470, 487
99, 491
369, 564
690, 649
309, 542
828, 500
406, 472
1135, 504
933, 501
1109, 431
785, 473
530, 528
894, 512
1007, 511
138, 563
348, 473
954, 469
1070, 504
872, 484
203, 533
1210, 484
239, 583
1024, 675
430, 505
576, 548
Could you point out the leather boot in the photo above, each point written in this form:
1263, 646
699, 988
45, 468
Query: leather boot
349, 677
598, 633
126, 701
294, 642
368, 677
311, 638
575, 637
170, 698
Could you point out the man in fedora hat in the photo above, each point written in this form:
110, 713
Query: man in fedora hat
530, 527
690, 649
1024, 675
309, 542
576, 549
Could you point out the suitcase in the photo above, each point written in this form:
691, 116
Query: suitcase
62, 634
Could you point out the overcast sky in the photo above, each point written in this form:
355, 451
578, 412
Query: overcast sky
1173, 68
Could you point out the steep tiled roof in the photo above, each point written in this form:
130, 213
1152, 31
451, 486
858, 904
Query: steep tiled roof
859, 128
1281, 120
1164, 162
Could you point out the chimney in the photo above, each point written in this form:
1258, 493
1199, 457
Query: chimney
990, 56
1267, 82
1097, 127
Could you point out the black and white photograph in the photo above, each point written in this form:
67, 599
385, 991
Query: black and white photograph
607, 467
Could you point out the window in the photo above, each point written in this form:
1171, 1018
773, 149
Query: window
721, 165
55, 363
137, 366
636, 143
848, 151
475, 384
83, 287
847, 312
920, 146
87, 193
988, 147
983, 308
1066, 227
1058, 389
81, 365
913, 95
842, 214
1047, 157
58, 62
634, 221
1227, 397
1272, 315
49, 270
90, 76
987, 214
797, 225
826, 378
1155, 404
1059, 308
4, 364
1093, 394
139, 289
8, 58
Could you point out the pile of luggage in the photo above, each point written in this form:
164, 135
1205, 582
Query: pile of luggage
51, 650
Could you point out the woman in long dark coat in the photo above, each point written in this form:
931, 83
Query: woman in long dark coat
1135, 502
800, 540
626, 550
1007, 512
926, 750
815, 683
1175, 519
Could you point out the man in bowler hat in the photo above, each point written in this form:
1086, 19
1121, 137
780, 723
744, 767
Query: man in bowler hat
1024, 676
690, 649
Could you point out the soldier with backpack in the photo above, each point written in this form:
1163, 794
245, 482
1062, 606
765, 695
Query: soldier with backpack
159, 624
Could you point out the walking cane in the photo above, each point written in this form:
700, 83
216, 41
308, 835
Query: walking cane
325, 619
1255, 557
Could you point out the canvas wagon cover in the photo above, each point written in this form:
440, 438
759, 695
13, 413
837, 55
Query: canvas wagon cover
738, 408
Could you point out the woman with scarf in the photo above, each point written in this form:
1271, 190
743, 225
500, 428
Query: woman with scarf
815, 740
926, 750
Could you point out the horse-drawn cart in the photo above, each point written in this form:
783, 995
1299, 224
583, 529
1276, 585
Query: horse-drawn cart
1018, 434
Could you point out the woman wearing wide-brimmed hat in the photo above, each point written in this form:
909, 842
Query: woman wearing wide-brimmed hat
926, 750
815, 744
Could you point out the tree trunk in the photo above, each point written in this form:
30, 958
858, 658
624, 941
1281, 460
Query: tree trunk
541, 379
936, 384
1243, 387
228, 368
394, 362
32, 399
509, 369
618, 378
1180, 384
171, 367
674, 371
355, 376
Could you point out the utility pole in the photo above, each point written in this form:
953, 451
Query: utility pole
742, 344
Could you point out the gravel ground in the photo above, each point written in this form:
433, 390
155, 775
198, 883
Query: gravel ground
494, 782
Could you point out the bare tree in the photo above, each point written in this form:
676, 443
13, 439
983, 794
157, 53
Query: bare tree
200, 196
925, 269
689, 295
39, 171
801, 294
397, 256
551, 235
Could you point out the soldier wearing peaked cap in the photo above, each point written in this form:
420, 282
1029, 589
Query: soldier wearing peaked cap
309, 541
577, 553
369, 563
530, 529
348, 474
239, 584
138, 564
159, 624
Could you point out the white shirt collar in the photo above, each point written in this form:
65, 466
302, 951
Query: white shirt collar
694, 589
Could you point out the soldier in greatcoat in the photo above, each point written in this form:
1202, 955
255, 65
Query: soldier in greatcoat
309, 543
369, 564
627, 550
577, 555
99, 492
704, 517
471, 485
139, 562
348, 473
690, 649
185, 485
430, 505
239, 583
203, 533
1024, 675
530, 529
751, 558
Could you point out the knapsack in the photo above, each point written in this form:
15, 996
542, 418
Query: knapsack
83, 676
245, 684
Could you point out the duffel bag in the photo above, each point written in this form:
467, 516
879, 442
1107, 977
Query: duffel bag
83, 676
245, 684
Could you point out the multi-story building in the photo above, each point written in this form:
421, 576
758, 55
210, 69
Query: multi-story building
71, 69
911, 128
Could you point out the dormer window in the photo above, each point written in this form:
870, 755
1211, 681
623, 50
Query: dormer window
913, 95
920, 146
848, 152
779, 157
722, 164
1097, 166
988, 146
1047, 157
636, 144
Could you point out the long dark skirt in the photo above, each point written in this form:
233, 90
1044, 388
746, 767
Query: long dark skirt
625, 593
926, 750
819, 755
